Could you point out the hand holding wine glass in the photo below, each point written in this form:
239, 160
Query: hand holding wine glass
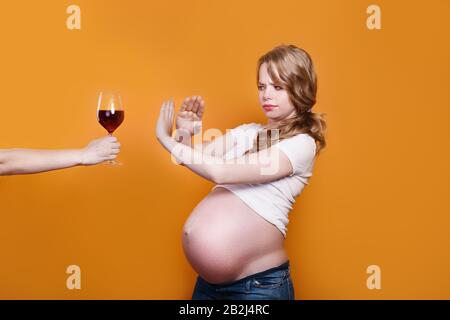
110, 113
99, 150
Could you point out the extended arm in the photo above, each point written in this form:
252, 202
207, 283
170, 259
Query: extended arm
267, 165
261, 167
26, 161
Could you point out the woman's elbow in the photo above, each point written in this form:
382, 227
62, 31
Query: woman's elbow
7, 169
217, 176
6, 161
4, 170
223, 176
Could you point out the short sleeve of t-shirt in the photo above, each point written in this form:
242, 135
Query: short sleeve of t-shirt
244, 133
301, 150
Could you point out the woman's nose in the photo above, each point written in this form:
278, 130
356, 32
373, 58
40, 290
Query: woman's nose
267, 94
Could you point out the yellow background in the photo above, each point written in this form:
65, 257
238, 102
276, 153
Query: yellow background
379, 194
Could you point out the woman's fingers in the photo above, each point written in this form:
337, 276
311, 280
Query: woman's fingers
171, 107
195, 104
164, 113
188, 104
201, 107
163, 109
164, 124
167, 109
194, 99
184, 104
167, 106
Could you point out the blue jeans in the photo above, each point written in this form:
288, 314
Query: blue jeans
272, 284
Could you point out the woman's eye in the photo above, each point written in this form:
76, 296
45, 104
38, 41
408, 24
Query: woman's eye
278, 88
260, 87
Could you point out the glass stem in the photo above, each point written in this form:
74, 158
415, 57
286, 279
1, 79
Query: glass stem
111, 161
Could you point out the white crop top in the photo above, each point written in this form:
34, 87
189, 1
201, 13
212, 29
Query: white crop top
273, 200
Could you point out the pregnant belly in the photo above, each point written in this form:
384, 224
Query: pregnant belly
224, 239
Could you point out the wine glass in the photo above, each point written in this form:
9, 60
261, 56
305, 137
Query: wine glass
110, 113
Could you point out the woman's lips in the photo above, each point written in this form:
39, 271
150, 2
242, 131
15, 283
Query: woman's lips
269, 107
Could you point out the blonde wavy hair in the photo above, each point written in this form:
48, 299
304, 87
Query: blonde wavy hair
297, 75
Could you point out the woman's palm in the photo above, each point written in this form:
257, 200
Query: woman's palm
190, 115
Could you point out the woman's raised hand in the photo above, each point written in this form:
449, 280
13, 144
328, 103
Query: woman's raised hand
189, 118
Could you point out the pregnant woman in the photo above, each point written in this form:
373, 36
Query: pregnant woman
234, 238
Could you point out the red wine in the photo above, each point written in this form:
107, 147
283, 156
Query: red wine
109, 120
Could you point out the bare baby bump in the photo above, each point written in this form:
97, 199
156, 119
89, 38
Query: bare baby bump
223, 236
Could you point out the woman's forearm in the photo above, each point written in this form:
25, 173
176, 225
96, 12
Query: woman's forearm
202, 164
25, 161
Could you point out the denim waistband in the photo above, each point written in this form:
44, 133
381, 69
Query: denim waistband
283, 267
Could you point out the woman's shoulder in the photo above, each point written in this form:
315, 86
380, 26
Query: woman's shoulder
305, 136
300, 141
244, 127
251, 125
254, 125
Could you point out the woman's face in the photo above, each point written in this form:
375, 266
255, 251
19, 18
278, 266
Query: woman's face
273, 98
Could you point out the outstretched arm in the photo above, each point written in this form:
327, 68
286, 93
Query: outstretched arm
26, 161
260, 167
264, 166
